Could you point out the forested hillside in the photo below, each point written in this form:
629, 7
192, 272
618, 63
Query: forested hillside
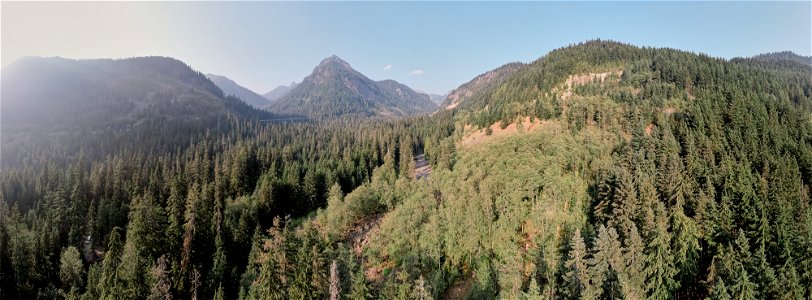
600, 170
63, 108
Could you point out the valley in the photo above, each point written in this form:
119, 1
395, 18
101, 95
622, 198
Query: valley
600, 170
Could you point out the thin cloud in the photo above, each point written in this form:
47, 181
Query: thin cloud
417, 72
387, 67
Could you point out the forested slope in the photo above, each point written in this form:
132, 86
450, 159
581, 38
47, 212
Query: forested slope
601, 170
65, 108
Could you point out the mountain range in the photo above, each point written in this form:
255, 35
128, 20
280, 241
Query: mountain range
279, 91
229, 87
334, 88
599, 170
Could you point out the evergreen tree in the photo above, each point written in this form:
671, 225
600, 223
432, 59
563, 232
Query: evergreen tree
606, 260
70, 268
685, 245
631, 279
659, 268
360, 289
719, 291
111, 286
576, 276
743, 288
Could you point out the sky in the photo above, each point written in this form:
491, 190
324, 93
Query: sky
430, 46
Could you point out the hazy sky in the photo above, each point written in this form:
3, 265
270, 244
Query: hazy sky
432, 47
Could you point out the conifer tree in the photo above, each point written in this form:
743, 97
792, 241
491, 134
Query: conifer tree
111, 286
659, 268
70, 268
631, 278
576, 276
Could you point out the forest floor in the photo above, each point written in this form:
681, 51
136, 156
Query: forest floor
461, 287
422, 169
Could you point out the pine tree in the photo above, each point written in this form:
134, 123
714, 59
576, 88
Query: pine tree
70, 268
111, 286
765, 276
132, 271
219, 260
719, 291
632, 281
533, 292
275, 265
792, 288
174, 212
602, 210
576, 276
743, 289
360, 289
624, 205
660, 270
606, 259
93, 287
685, 244
406, 157
190, 216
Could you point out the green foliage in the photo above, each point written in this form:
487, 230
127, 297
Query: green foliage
71, 269
683, 176
576, 278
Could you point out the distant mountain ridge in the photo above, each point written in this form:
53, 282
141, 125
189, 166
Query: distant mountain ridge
784, 55
437, 99
334, 88
279, 91
229, 87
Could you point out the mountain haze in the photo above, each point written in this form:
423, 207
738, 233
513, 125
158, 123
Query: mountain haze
229, 87
334, 88
438, 99
601, 170
279, 91
66, 103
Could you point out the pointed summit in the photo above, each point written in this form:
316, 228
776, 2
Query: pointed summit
334, 88
334, 59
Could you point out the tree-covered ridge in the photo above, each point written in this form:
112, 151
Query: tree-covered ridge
335, 89
60, 107
784, 55
481, 83
662, 74
639, 173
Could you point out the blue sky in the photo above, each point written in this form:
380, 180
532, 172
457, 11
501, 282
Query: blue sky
429, 46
